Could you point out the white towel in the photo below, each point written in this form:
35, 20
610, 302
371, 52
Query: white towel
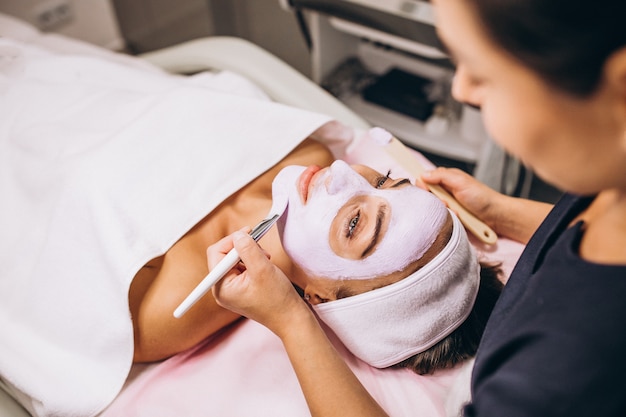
387, 325
102, 167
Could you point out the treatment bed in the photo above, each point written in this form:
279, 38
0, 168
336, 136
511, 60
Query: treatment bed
242, 370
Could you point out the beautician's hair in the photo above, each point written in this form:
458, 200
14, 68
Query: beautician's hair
565, 42
462, 343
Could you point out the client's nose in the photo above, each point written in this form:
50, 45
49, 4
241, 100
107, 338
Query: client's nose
343, 177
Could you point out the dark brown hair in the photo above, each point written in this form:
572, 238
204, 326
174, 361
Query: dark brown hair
565, 42
462, 343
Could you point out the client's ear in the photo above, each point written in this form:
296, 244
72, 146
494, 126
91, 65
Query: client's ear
317, 292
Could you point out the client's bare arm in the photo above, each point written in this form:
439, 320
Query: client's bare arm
263, 293
511, 217
153, 298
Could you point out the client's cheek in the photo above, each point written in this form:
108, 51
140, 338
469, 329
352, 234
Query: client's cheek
306, 232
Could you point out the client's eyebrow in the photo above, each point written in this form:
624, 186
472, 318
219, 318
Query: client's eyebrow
401, 182
380, 216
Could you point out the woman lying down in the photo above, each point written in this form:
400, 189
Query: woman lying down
384, 264
116, 179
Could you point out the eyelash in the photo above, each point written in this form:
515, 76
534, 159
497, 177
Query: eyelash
352, 224
354, 221
380, 181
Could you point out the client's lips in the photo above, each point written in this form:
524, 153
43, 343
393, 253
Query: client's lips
304, 182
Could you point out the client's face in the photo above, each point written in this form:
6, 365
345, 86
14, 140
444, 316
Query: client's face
352, 229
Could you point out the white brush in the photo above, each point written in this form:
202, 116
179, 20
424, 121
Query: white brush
279, 204
403, 156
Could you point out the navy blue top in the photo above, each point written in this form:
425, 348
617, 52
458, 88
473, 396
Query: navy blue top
555, 344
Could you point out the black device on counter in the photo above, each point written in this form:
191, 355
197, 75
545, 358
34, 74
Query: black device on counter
402, 92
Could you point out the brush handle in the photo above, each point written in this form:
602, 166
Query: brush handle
401, 154
217, 273
475, 226
226, 264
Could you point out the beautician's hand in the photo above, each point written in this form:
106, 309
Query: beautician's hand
263, 293
515, 218
475, 196
259, 290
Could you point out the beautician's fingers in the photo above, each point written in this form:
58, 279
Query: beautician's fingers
421, 184
217, 251
475, 196
452, 179
261, 292
235, 277
265, 276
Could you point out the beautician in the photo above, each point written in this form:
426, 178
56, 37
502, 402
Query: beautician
550, 79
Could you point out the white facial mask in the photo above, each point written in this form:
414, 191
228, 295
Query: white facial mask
417, 217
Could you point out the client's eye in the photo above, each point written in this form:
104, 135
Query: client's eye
352, 224
380, 181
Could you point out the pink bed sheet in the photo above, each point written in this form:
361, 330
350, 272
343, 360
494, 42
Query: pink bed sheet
243, 371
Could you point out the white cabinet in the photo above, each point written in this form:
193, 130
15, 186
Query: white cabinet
345, 31
382, 35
